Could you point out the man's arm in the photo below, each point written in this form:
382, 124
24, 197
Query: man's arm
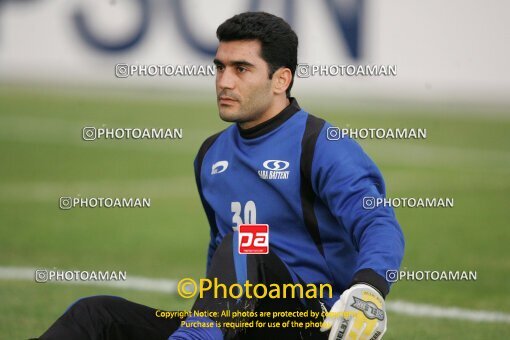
209, 213
343, 176
197, 164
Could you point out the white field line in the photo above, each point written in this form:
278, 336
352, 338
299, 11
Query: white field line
170, 286
47, 191
431, 311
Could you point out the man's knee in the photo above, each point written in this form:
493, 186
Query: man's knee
84, 319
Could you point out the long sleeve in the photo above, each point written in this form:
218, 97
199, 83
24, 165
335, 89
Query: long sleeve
210, 216
343, 176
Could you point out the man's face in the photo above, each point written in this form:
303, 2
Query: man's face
243, 88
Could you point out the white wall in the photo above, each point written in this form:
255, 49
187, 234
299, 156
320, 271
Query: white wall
453, 49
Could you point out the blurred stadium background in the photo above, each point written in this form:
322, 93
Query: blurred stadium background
57, 61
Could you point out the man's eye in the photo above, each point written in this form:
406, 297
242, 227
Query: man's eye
220, 67
241, 69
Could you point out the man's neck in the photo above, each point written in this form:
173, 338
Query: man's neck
276, 108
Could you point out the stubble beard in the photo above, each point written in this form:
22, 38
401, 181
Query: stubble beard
248, 110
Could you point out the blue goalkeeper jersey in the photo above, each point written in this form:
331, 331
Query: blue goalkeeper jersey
310, 190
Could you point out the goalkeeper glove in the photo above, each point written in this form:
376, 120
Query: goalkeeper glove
359, 314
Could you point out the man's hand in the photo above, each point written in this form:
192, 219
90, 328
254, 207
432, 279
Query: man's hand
358, 314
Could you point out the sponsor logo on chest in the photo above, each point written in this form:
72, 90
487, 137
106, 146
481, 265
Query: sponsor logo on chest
274, 169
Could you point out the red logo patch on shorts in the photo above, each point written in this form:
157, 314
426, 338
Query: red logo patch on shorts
254, 239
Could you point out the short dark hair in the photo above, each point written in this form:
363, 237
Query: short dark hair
278, 41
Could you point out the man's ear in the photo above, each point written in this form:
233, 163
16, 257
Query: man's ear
281, 80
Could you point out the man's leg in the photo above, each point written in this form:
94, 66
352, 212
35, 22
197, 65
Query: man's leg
105, 317
269, 269
110, 317
230, 268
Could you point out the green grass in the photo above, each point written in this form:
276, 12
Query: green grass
43, 157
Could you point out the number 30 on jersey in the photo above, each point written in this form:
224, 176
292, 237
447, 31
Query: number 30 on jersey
253, 238
248, 215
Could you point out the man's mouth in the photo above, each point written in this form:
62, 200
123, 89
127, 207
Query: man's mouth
226, 100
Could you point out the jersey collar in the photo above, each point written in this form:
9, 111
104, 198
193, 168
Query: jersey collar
271, 124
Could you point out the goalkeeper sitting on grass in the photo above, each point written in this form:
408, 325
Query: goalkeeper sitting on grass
281, 166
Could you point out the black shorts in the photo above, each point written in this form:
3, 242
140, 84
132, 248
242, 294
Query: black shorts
110, 317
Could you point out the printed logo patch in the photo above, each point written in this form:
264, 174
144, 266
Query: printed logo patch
253, 239
219, 167
275, 169
368, 308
